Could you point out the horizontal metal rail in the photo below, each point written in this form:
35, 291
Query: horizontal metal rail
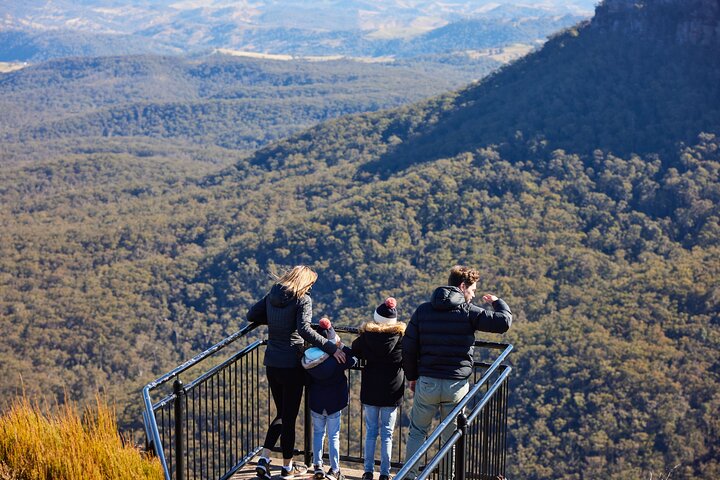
202, 356
212, 371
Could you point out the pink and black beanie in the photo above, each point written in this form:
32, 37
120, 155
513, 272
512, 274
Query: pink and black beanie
326, 330
386, 312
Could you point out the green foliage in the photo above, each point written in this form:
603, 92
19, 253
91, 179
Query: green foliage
234, 102
616, 309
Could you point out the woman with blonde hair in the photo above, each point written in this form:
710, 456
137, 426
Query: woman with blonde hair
287, 311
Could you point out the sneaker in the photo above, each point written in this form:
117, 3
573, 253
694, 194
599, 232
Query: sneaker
334, 475
296, 469
319, 474
384, 477
263, 468
367, 476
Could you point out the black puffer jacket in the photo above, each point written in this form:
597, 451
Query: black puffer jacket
383, 381
288, 319
439, 339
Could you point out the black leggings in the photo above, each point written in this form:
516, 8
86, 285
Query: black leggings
286, 385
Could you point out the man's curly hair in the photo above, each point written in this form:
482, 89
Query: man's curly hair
460, 274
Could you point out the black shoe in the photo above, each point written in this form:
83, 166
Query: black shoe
296, 469
367, 476
263, 468
319, 474
334, 475
384, 477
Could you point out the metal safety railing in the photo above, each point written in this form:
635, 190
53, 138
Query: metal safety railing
471, 442
211, 426
201, 429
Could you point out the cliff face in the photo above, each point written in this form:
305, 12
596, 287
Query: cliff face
680, 21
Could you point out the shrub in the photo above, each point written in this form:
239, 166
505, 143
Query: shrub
66, 445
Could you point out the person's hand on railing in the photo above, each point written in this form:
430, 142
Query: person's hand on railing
339, 355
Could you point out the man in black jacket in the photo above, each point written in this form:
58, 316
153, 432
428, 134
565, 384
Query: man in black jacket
438, 350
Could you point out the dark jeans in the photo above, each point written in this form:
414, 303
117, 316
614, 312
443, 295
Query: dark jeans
286, 385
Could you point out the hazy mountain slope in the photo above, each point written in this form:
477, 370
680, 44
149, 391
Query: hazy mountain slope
478, 34
625, 93
603, 85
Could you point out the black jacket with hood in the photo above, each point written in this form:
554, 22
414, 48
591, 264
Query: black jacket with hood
439, 339
383, 381
288, 319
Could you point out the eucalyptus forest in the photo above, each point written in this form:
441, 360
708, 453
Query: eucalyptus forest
583, 180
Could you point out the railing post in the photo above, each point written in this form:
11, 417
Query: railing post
307, 447
460, 447
179, 434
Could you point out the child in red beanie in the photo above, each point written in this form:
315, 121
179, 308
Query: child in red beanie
328, 394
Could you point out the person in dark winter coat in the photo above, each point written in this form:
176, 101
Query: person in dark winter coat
287, 311
383, 382
328, 394
437, 350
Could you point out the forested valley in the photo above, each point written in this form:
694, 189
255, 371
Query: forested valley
583, 180
234, 102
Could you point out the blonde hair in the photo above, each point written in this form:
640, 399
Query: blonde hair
297, 280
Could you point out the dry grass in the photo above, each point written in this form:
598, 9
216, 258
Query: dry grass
67, 446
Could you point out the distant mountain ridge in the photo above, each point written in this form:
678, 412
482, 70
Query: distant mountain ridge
131, 16
23, 45
477, 34
370, 28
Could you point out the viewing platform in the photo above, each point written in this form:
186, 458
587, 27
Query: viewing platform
210, 416
350, 470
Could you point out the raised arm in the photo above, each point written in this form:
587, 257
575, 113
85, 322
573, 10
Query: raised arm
497, 321
303, 318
